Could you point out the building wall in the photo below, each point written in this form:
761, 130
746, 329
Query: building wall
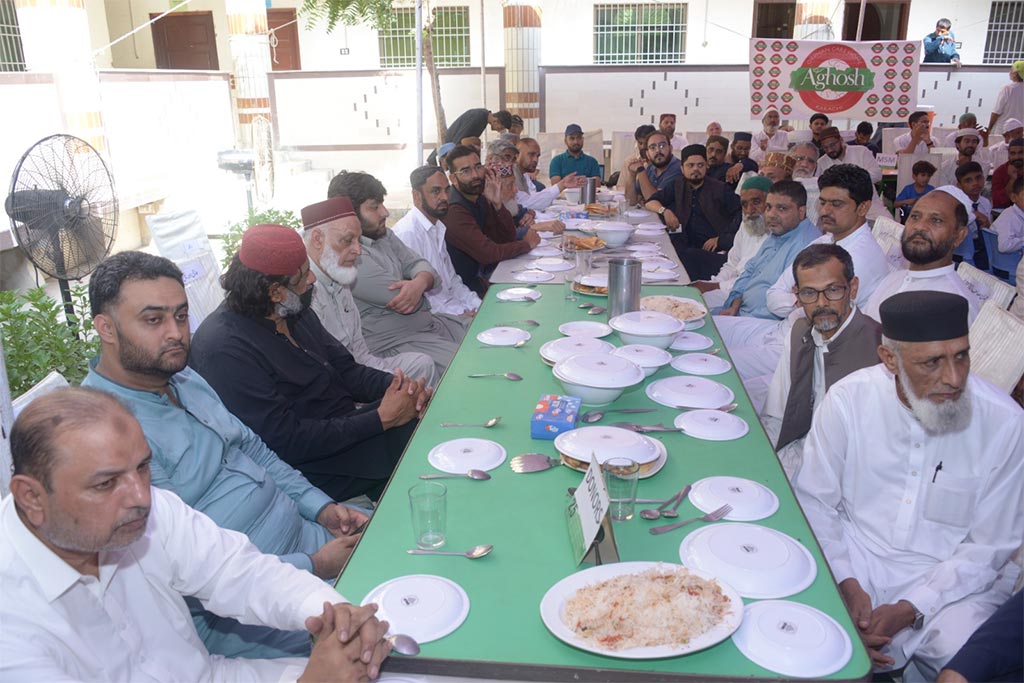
137, 52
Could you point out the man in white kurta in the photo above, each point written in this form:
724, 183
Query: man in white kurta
912, 481
96, 563
836, 151
918, 140
331, 234
769, 138
1009, 227
929, 239
968, 147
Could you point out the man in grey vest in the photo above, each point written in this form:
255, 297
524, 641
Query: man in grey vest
833, 340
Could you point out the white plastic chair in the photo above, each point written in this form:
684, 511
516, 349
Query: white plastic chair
51, 382
996, 341
889, 235
986, 286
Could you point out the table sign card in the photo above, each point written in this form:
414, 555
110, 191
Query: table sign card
590, 529
887, 160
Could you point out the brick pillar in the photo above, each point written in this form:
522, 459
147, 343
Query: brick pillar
250, 56
45, 25
814, 20
521, 20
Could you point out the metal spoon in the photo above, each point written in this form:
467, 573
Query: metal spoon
518, 344
671, 512
403, 644
512, 323
479, 475
507, 375
596, 415
596, 310
586, 304
473, 553
487, 425
727, 408
656, 512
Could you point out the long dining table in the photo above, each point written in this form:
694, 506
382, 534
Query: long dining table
523, 516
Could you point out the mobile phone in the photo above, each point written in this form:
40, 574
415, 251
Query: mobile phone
505, 171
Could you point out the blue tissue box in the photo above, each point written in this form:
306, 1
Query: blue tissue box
554, 415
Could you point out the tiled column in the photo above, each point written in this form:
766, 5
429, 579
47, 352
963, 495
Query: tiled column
522, 58
818, 20
250, 56
55, 39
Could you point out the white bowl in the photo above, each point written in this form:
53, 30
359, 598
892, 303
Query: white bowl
647, 327
572, 195
598, 379
636, 216
615, 234
649, 358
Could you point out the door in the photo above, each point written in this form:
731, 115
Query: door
185, 40
285, 56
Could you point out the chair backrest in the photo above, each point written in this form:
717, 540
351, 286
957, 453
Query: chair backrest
51, 382
998, 259
996, 340
987, 287
554, 143
889, 235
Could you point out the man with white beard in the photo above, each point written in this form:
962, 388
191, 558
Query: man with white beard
805, 169
749, 237
912, 479
332, 242
769, 138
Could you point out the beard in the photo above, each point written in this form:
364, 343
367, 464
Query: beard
293, 303
62, 532
162, 364
473, 187
825, 324
343, 275
755, 225
920, 254
936, 418
802, 173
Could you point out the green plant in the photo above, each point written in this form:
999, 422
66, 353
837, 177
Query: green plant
233, 237
39, 337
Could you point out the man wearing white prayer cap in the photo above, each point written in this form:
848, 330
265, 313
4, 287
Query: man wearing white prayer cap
1000, 151
968, 147
912, 479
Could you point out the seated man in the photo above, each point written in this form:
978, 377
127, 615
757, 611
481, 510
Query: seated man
737, 163
573, 159
423, 231
530, 192
701, 214
213, 462
659, 172
332, 242
392, 278
770, 137
993, 652
667, 126
278, 370
97, 563
937, 224
480, 231
912, 481
999, 152
836, 151
862, 138
818, 123
777, 166
919, 139
1009, 227
1007, 173
749, 238
968, 149
833, 340
804, 156
746, 324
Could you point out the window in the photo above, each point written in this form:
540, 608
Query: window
882, 21
11, 56
1004, 43
640, 34
774, 19
450, 38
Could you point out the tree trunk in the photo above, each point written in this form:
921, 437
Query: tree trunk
435, 82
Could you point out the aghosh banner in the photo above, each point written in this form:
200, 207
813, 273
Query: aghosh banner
873, 80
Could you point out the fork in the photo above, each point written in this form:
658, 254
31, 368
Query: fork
643, 429
712, 516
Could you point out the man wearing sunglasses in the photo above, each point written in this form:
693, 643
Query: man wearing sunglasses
833, 340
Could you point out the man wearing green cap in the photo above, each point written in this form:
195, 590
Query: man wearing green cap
1010, 102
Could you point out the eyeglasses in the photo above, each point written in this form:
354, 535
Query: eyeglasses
809, 295
655, 146
469, 171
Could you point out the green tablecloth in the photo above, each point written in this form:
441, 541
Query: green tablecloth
523, 516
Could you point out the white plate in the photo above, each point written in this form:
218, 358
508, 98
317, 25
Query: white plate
563, 347
551, 264
699, 310
792, 639
689, 392
658, 263
711, 425
459, 456
423, 606
645, 323
503, 336
513, 293
691, 341
584, 328
640, 247
545, 215
696, 324
546, 251
546, 234
534, 276
649, 232
759, 562
659, 276
655, 467
644, 355
595, 280
553, 604
606, 442
601, 370
701, 364
651, 226
750, 500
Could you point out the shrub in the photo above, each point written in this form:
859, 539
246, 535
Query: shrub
233, 237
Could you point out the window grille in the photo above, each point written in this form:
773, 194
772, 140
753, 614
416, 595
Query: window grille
450, 38
640, 33
12, 58
1004, 43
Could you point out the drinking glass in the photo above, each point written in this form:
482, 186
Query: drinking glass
620, 477
428, 505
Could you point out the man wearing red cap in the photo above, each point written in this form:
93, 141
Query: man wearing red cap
332, 242
393, 280
279, 371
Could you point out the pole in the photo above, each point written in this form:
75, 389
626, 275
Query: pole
419, 83
860, 18
483, 60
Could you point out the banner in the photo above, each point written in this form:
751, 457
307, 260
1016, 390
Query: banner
873, 80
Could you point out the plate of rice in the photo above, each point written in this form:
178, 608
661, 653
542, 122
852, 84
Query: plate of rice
641, 610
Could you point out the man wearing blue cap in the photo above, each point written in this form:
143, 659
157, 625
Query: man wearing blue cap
573, 159
912, 480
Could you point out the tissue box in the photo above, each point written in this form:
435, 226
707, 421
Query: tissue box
554, 415
573, 215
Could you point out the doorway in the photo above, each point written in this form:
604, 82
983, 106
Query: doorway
185, 40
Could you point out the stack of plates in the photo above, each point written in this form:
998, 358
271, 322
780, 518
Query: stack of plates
689, 392
551, 264
759, 562
459, 456
711, 425
691, 341
534, 276
423, 606
701, 364
650, 358
576, 447
502, 336
513, 293
792, 639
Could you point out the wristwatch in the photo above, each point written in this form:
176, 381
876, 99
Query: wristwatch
918, 618
661, 211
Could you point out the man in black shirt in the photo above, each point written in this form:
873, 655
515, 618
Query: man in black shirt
278, 370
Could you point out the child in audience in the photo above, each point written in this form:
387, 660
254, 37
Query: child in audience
923, 172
